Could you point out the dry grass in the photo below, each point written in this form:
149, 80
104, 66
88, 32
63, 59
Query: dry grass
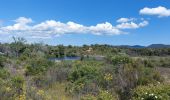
57, 92
165, 72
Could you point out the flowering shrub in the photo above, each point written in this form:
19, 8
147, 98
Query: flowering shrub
152, 92
82, 77
120, 59
108, 77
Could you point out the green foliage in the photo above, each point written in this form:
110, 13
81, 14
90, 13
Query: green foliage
89, 97
71, 53
17, 82
120, 59
149, 75
61, 51
4, 74
148, 63
164, 62
105, 95
2, 60
131, 74
37, 66
18, 46
83, 74
152, 92
56, 73
25, 71
58, 51
102, 95
11, 87
86, 72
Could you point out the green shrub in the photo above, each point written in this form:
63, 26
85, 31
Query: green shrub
102, 95
4, 74
17, 82
105, 95
120, 59
2, 60
89, 97
148, 63
37, 66
148, 76
83, 76
152, 92
165, 62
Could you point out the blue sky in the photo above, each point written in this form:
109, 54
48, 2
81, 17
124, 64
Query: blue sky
77, 22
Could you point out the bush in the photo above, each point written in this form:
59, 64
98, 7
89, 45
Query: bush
17, 82
120, 59
11, 88
83, 77
165, 62
102, 95
152, 92
105, 95
148, 76
57, 73
133, 74
2, 60
37, 66
148, 63
4, 74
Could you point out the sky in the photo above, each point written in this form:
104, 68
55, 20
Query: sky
78, 22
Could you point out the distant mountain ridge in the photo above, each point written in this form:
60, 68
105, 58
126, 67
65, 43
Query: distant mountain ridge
158, 46
134, 46
150, 46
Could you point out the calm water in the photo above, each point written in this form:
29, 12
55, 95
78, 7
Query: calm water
64, 58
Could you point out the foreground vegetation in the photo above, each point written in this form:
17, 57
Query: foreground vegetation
103, 72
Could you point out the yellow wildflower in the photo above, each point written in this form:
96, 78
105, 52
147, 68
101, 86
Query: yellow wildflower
21, 97
108, 77
8, 89
40, 92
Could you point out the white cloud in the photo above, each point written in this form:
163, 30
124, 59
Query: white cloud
123, 20
52, 28
23, 20
20, 25
143, 24
104, 28
56, 27
158, 11
132, 25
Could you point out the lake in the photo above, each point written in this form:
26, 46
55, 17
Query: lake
64, 58
96, 57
